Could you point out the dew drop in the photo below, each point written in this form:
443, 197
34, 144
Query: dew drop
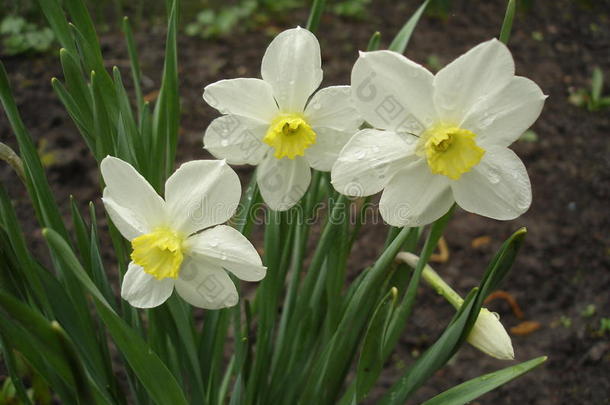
360, 154
224, 142
493, 176
487, 120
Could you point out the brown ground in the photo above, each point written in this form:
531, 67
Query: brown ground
563, 267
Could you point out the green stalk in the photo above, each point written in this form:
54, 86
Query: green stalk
507, 24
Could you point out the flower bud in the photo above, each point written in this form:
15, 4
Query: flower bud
489, 336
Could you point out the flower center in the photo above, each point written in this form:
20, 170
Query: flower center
289, 135
450, 150
159, 253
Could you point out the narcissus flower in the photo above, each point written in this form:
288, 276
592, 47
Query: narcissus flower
440, 139
274, 124
175, 241
487, 334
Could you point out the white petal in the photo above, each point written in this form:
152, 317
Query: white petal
142, 290
332, 107
292, 66
225, 247
498, 187
201, 193
236, 139
329, 142
252, 98
369, 160
392, 92
415, 196
481, 71
128, 222
283, 182
134, 204
205, 285
501, 118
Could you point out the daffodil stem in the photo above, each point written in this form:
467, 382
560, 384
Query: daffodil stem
441, 287
10, 157
433, 279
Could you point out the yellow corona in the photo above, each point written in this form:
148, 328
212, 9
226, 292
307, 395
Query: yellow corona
450, 150
159, 253
289, 135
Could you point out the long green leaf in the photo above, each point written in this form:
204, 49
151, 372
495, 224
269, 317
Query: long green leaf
371, 359
57, 20
38, 187
472, 389
507, 24
166, 114
315, 14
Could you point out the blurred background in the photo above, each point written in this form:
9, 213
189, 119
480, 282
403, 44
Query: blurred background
556, 300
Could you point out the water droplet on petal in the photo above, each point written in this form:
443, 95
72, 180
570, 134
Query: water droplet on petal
487, 120
360, 154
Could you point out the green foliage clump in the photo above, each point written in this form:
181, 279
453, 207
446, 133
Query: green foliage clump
20, 36
592, 99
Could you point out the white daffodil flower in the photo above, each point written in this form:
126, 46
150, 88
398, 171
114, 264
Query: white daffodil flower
168, 248
274, 124
440, 139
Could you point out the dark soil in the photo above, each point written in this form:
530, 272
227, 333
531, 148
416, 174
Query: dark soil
565, 263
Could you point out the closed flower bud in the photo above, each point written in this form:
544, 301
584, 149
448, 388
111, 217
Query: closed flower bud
489, 336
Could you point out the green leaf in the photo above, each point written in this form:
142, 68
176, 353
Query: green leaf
59, 350
57, 20
24, 259
84, 126
371, 359
135, 64
597, 84
145, 363
166, 114
507, 24
400, 42
81, 19
38, 187
315, 14
472, 389
373, 44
